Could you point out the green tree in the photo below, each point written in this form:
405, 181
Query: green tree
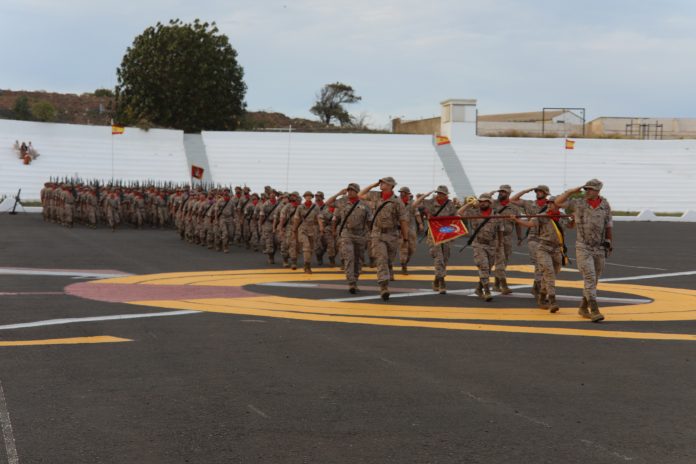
103, 93
43, 111
330, 101
183, 76
21, 109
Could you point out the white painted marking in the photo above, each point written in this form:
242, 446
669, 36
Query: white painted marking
6, 425
648, 276
60, 272
636, 267
258, 411
600, 299
288, 284
77, 320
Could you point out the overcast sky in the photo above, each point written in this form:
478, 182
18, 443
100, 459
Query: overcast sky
614, 57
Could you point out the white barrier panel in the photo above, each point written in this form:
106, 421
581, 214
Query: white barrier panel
326, 162
659, 175
68, 150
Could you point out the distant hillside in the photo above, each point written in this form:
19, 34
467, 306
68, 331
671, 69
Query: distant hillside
90, 109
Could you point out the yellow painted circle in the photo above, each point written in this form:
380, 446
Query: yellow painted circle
668, 304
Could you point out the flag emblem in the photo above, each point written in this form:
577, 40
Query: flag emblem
570, 144
442, 140
117, 130
196, 172
445, 228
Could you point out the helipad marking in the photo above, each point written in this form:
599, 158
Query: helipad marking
65, 341
74, 320
654, 303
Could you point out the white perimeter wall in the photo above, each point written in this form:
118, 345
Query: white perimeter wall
85, 151
637, 174
326, 162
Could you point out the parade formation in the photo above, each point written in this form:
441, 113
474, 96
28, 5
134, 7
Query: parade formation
375, 225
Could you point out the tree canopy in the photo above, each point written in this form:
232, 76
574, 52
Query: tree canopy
182, 76
330, 101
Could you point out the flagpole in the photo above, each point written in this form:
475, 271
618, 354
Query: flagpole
112, 156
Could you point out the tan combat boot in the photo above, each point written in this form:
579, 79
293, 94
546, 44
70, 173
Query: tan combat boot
307, 268
595, 315
541, 301
436, 284
271, 259
496, 285
286, 264
384, 290
391, 273
479, 290
404, 269
504, 289
582, 311
553, 306
293, 266
332, 261
535, 288
353, 287
443, 287
487, 293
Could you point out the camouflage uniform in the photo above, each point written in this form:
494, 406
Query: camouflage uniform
269, 210
485, 244
504, 252
288, 244
385, 233
306, 223
532, 207
352, 229
408, 248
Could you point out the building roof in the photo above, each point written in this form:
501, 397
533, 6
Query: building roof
533, 116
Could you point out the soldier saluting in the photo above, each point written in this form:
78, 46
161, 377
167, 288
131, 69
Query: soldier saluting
389, 221
593, 222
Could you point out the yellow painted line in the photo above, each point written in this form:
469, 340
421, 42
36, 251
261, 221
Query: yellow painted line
442, 325
65, 341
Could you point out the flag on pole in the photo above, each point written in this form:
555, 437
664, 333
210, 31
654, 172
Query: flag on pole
196, 172
570, 144
442, 140
445, 228
117, 130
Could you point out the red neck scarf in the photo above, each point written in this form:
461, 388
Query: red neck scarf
320, 203
238, 195
254, 202
307, 204
332, 209
387, 195
405, 200
273, 201
594, 203
353, 200
295, 203
227, 198
441, 201
486, 212
541, 202
505, 202
555, 215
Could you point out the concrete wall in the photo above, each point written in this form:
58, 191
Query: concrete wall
428, 126
672, 128
526, 128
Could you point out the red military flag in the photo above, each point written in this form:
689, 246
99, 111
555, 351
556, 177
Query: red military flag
442, 140
196, 172
445, 228
570, 144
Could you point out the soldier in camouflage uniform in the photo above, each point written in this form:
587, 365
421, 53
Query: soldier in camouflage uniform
351, 221
389, 221
503, 206
485, 243
267, 215
326, 242
278, 228
305, 223
593, 221
550, 255
532, 207
289, 246
415, 226
441, 205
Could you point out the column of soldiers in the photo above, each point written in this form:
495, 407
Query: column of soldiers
374, 223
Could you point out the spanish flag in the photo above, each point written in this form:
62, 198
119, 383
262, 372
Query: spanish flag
117, 130
570, 144
441, 140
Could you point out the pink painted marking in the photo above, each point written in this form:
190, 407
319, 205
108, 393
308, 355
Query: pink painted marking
121, 293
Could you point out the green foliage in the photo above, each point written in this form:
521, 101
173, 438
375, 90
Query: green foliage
183, 76
21, 109
103, 93
330, 101
43, 111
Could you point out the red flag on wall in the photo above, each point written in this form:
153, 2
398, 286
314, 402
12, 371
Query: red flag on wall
445, 228
196, 172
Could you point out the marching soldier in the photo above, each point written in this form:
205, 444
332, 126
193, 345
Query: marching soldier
441, 205
267, 216
533, 207
326, 242
593, 221
415, 226
288, 247
503, 205
550, 253
389, 221
487, 233
306, 229
352, 221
